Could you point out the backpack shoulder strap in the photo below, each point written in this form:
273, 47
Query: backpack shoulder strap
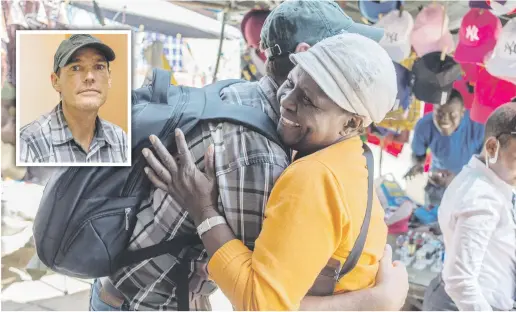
252, 117
160, 83
358, 247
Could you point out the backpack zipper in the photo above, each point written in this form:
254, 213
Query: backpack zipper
85, 222
127, 212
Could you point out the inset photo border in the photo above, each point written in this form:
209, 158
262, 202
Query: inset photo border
73, 98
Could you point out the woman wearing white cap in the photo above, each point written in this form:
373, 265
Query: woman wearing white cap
317, 206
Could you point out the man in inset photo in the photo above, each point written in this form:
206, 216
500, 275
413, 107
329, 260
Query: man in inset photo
73, 132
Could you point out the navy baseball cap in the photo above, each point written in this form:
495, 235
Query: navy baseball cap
479, 4
69, 46
371, 10
310, 21
433, 78
404, 79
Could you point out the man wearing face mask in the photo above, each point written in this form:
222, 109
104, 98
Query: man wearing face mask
478, 219
452, 138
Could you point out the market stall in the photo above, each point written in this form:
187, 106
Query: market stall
199, 42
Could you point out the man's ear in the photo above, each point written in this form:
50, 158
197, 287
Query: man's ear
55, 82
302, 47
491, 146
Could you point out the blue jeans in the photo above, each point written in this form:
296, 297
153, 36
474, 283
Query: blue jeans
436, 298
96, 303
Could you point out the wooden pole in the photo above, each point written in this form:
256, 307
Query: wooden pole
221, 43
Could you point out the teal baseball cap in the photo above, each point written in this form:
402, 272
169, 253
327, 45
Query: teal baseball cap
310, 21
69, 46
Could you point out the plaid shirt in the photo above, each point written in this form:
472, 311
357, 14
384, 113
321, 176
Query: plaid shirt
49, 140
247, 166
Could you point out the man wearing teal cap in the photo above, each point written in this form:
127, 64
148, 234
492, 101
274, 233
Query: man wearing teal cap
248, 166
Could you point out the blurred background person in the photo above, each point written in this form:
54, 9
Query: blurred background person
253, 60
478, 220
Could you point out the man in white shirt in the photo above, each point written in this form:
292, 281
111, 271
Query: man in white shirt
478, 220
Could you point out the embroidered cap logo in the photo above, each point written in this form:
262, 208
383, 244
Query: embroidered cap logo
392, 36
510, 48
472, 33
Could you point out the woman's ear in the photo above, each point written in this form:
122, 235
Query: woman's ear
352, 124
302, 47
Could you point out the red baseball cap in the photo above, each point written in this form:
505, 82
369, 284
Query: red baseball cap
478, 33
490, 93
462, 87
470, 71
251, 26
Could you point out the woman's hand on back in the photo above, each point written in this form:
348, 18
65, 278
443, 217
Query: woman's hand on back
194, 190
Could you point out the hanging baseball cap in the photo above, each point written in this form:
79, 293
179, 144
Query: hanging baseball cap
69, 46
478, 33
431, 33
479, 4
251, 26
501, 63
396, 40
490, 93
310, 21
404, 80
433, 78
466, 92
372, 10
502, 7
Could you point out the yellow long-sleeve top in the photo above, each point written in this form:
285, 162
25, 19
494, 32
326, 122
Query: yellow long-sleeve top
314, 213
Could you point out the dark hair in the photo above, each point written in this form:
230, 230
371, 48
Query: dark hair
455, 95
278, 67
501, 123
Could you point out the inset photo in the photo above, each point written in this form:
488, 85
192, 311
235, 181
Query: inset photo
73, 91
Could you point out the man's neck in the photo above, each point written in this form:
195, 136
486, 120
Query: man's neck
81, 124
274, 86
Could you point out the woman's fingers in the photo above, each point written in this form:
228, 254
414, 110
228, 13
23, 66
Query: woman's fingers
166, 159
155, 179
162, 172
209, 160
183, 153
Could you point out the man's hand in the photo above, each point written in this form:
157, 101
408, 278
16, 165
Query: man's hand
388, 294
391, 283
417, 169
441, 177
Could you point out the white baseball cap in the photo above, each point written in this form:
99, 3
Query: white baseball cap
502, 7
396, 40
501, 63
